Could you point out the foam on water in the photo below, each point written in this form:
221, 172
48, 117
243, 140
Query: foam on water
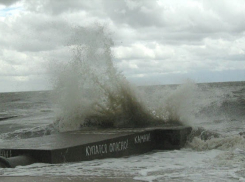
179, 165
222, 143
172, 105
32, 132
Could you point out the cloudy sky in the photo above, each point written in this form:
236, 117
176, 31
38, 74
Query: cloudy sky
156, 42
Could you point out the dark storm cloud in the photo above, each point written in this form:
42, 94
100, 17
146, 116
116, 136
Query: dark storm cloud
8, 2
172, 22
54, 7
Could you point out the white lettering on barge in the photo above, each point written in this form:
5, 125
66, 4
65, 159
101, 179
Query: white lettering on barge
142, 138
6, 153
104, 148
96, 149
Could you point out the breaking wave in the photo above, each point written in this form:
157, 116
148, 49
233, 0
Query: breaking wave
90, 91
28, 132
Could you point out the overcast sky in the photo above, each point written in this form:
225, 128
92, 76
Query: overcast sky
156, 42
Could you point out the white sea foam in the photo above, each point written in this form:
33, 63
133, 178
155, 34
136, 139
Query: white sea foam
28, 132
226, 143
182, 165
178, 104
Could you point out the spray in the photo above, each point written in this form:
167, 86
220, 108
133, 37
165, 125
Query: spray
90, 91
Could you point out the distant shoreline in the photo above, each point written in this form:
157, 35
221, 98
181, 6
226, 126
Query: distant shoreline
203, 83
227, 83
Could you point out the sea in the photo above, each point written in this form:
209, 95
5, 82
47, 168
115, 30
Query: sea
215, 150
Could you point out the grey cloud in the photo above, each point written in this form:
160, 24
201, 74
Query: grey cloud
204, 35
144, 14
62, 6
172, 17
8, 2
35, 33
230, 12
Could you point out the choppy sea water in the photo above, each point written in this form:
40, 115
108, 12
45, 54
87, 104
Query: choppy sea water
214, 153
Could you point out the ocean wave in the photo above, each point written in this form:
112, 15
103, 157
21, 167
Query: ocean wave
202, 140
29, 132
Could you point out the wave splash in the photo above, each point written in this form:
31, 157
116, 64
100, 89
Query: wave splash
91, 92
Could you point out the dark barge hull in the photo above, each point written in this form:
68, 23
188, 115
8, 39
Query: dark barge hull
88, 145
